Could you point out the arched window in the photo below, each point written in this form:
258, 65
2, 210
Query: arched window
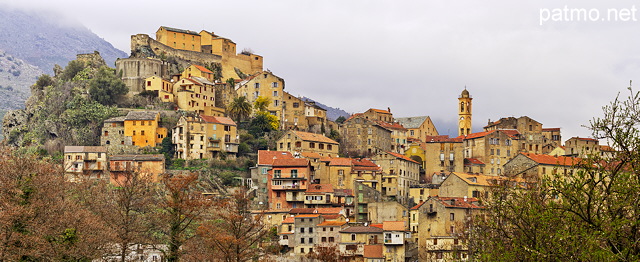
461, 106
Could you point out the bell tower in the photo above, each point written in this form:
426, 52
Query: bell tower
464, 113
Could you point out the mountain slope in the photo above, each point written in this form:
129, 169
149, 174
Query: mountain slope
332, 112
40, 41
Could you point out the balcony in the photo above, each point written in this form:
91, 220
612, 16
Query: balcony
287, 187
394, 241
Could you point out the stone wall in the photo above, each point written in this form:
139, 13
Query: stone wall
136, 70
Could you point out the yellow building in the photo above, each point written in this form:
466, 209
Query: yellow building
298, 141
492, 149
179, 38
581, 147
246, 61
204, 137
197, 94
442, 222
464, 113
264, 84
379, 114
148, 165
162, 86
467, 185
199, 71
294, 113
418, 126
399, 173
144, 128
316, 117
353, 240
536, 166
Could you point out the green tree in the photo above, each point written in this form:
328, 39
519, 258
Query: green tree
166, 148
592, 212
239, 109
262, 123
44, 80
72, 68
106, 87
262, 103
340, 119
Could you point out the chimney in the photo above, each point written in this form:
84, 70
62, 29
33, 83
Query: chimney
465, 198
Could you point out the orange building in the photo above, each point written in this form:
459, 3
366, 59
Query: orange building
199, 71
286, 183
144, 128
151, 166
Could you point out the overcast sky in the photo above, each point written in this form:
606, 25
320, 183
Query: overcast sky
415, 57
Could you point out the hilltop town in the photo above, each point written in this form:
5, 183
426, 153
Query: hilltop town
368, 187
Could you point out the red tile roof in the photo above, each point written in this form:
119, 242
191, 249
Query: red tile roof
553, 160
474, 161
380, 111
388, 125
320, 188
331, 216
302, 211
416, 207
340, 161
203, 69
365, 165
393, 226
361, 229
607, 149
376, 225
329, 210
306, 136
551, 129
218, 120
458, 202
265, 157
295, 162
311, 155
403, 157
372, 251
288, 220
307, 215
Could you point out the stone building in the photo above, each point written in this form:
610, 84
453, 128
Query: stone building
581, 147
492, 148
531, 139
298, 141
418, 126
365, 137
441, 154
467, 185
464, 113
294, 113
135, 71
551, 139
197, 94
264, 84
442, 222
203, 137
258, 181
536, 166
399, 173
85, 162
148, 165
137, 128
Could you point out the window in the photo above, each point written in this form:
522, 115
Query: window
310, 231
452, 215
310, 240
331, 239
296, 104
274, 84
353, 237
312, 145
323, 239
302, 229
142, 132
256, 85
294, 173
277, 173
275, 93
435, 241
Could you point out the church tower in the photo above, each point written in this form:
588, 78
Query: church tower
464, 113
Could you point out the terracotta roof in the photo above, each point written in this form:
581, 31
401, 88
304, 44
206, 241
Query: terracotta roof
365, 165
218, 120
416, 207
340, 161
584, 139
607, 149
331, 216
85, 149
265, 157
553, 160
353, 116
295, 162
329, 210
372, 251
361, 229
379, 111
393, 226
332, 223
310, 155
412, 122
475, 179
458, 202
474, 161
551, 129
145, 157
201, 80
443, 138
302, 211
509, 132
376, 225
320, 188
307, 215
289, 220
306, 136
403, 157
141, 115
203, 69
343, 192
388, 125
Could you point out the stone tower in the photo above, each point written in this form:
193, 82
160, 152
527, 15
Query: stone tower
464, 113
